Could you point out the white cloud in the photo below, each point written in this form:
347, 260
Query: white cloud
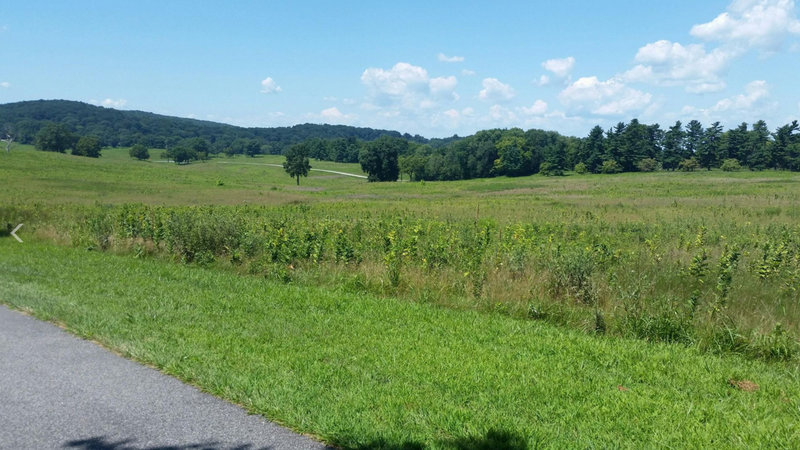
110, 102
560, 67
496, 91
756, 93
611, 97
444, 87
452, 113
399, 81
763, 24
450, 59
5, 84
543, 80
538, 108
666, 63
755, 101
467, 72
330, 99
269, 86
334, 116
501, 114
407, 87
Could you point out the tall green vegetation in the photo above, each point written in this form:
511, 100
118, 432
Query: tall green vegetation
679, 281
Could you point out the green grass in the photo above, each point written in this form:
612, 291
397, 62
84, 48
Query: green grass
361, 371
641, 230
53, 178
756, 197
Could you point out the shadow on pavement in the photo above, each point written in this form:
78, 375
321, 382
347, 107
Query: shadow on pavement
103, 443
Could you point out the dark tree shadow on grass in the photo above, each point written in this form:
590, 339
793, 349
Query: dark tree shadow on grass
493, 440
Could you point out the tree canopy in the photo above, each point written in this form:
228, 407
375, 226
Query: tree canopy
297, 163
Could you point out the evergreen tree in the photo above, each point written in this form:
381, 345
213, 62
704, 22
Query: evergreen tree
708, 151
758, 145
694, 139
594, 149
674, 142
783, 138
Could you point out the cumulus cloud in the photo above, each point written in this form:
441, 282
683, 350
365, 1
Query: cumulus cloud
444, 87
560, 67
755, 101
398, 83
110, 102
454, 114
543, 80
496, 91
406, 89
610, 97
269, 86
5, 84
450, 59
502, 114
755, 95
334, 116
763, 24
667, 63
538, 108
467, 72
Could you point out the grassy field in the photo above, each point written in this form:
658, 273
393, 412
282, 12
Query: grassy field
360, 371
500, 312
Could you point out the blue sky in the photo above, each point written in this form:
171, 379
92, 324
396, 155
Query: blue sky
430, 68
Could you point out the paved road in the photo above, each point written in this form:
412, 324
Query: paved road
58, 391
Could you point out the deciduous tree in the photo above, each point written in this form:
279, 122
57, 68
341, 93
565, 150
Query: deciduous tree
297, 163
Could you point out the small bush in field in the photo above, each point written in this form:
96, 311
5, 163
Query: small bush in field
610, 166
731, 165
581, 168
689, 165
647, 165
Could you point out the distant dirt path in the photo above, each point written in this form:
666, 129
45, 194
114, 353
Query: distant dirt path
278, 165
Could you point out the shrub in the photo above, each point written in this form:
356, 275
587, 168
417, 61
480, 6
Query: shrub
647, 165
550, 170
610, 166
689, 165
87, 146
581, 168
731, 165
139, 152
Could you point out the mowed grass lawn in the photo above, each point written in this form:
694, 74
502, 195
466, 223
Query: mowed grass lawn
360, 371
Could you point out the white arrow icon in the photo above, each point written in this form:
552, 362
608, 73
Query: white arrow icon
13, 233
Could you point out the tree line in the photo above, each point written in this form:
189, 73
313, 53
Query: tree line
116, 128
625, 147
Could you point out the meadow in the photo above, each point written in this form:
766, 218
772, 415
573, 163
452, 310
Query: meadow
680, 281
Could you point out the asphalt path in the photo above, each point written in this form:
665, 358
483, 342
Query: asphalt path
59, 391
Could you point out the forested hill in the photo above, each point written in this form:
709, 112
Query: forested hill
124, 128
